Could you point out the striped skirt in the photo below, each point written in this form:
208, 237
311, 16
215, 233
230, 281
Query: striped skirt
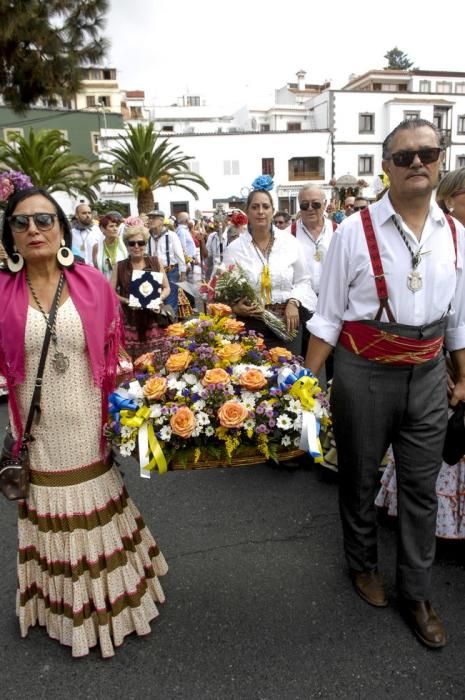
87, 565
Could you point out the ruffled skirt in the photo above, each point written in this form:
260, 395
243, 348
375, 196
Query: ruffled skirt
87, 565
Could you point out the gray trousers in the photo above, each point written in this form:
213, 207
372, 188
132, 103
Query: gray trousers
375, 405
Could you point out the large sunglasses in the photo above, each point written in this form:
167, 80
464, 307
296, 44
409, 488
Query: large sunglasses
306, 205
404, 159
19, 223
361, 208
131, 244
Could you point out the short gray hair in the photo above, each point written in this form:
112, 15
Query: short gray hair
404, 126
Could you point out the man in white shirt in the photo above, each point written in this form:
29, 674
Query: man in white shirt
166, 246
392, 290
185, 236
84, 232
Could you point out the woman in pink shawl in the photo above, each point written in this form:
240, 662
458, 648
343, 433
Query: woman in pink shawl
87, 567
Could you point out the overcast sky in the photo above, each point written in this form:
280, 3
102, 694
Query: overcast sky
238, 51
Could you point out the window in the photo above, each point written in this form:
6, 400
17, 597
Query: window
192, 101
365, 165
230, 167
460, 162
443, 86
135, 112
366, 123
95, 74
312, 168
109, 74
94, 137
167, 127
90, 100
460, 88
264, 127
105, 100
293, 126
268, 166
8, 133
425, 85
461, 124
411, 115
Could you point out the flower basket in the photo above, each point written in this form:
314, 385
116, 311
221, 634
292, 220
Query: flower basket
221, 398
247, 457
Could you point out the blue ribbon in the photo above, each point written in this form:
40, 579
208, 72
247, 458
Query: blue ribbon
119, 403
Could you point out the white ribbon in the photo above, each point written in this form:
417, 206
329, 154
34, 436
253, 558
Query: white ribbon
143, 438
309, 435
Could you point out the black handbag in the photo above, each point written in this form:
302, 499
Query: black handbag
454, 445
165, 316
14, 469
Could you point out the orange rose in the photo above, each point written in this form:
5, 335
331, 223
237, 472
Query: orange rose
155, 387
259, 342
176, 329
232, 414
144, 361
252, 380
219, 309
179, 361
216, 376
232, 352
183, 422
276, 353
230, 325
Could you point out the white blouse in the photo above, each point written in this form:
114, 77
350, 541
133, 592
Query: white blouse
348, 290
290, 277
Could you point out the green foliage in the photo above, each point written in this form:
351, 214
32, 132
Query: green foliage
43, 46
144, 162
46, 158
104, 206
397, 59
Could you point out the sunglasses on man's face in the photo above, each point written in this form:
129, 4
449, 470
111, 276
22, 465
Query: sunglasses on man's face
278, 222
131, 244
363, 206
306, 205
404, 159
19, 223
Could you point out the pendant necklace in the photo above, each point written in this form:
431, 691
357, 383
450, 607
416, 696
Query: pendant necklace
265, 277
83, 244
316, 243
110, 251
414, 278
60, 361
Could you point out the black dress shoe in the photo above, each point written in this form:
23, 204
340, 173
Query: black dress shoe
424, 622
369, 585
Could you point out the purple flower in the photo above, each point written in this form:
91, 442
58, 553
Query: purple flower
261, 429
272, 422
260, 409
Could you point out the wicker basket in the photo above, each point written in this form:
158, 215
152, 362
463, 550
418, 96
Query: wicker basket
248, 456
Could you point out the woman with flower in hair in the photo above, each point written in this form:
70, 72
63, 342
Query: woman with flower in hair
275, 266
87, 566
141, 330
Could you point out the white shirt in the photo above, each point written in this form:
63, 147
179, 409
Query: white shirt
84, 240
187, 241
289, 274
348, 290
157, 246
315, 249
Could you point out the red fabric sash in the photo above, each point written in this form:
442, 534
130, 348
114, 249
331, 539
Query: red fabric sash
387, 348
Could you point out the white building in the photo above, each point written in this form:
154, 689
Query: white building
311, 133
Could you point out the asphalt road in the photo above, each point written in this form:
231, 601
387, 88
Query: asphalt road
259, 605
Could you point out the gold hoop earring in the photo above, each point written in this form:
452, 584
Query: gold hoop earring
15, 262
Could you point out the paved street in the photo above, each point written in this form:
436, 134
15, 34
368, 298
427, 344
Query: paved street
258, 603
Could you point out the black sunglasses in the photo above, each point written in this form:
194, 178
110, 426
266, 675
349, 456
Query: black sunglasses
278, 222
306, 205
19, 223
404, 159
131, 244
364, 206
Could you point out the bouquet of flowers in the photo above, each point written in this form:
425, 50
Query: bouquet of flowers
220, 393
12, 181
232, 284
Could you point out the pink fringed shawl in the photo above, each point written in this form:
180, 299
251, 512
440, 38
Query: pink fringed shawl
99, 310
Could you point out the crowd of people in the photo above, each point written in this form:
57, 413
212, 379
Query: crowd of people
375, 295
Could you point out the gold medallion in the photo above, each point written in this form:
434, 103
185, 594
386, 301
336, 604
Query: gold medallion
317, 256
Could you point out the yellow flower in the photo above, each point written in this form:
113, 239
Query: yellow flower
176, 329
179, 361
155, 387
230, 353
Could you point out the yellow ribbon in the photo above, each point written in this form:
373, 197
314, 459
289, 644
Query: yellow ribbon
137, 420
265, 285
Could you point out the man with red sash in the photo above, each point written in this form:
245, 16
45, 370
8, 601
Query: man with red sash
392, 294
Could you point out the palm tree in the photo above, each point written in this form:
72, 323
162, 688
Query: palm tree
46, 158
145, 163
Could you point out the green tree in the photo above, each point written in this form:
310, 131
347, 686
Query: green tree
397, 59
145, 163
44, 45
46, 158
